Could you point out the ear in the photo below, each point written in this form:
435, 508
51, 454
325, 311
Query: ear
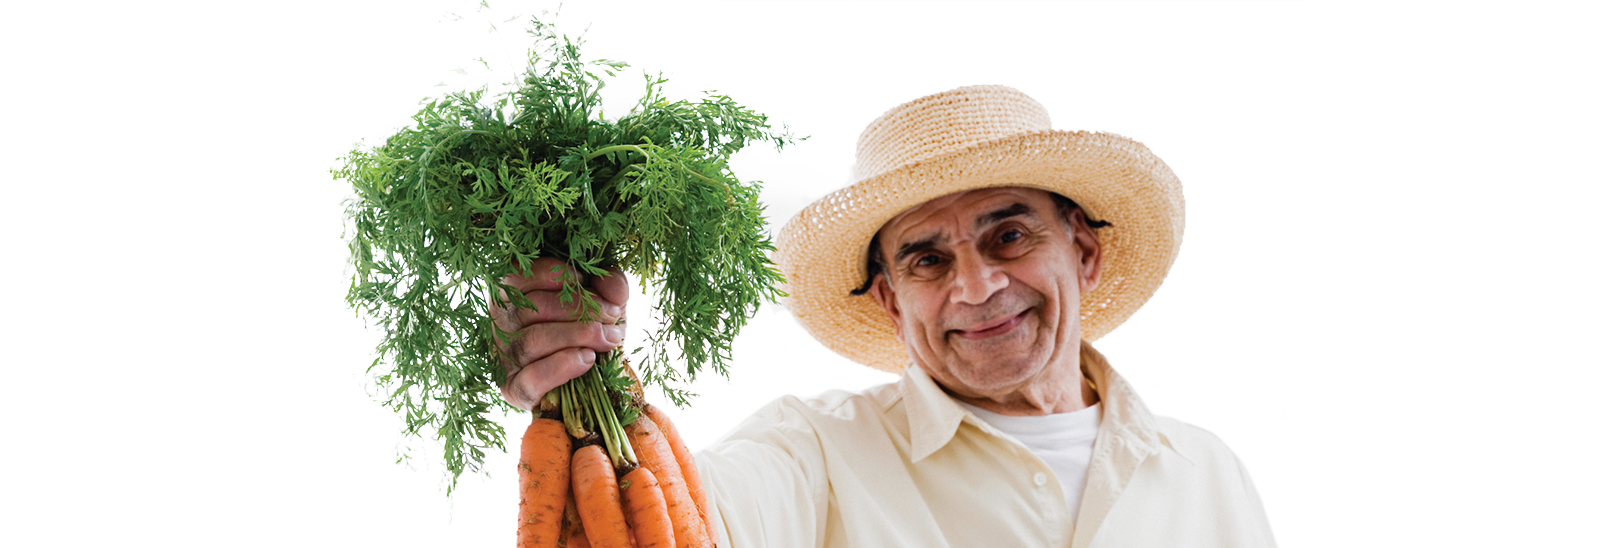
882, 292
1090, 255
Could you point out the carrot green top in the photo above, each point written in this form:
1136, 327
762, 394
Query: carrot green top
475, 189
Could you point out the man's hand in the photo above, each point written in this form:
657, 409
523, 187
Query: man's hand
550, 347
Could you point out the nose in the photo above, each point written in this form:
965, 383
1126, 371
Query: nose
976, 280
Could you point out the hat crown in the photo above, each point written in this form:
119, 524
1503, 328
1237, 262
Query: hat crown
942, 123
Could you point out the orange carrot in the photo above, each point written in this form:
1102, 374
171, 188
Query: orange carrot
680, 451
572, 527
542, 474
655, 454
646, 509
594, 484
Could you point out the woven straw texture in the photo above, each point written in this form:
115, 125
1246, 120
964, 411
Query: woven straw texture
963, 139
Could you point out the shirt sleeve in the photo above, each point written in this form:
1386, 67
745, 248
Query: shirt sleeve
766, 481
1256, 512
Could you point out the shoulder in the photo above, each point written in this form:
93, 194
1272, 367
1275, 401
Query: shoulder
1175, 422
1202, 449
833, 406
834, 412
1192, 485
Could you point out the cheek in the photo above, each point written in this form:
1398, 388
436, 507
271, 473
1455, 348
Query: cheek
1069, 305
919, 317
1059, 292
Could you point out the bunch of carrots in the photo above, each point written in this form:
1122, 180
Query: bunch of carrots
446, 209
591, 478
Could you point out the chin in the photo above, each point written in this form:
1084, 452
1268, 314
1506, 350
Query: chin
996, 373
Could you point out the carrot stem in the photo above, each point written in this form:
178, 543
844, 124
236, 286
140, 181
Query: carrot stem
591, 399
571, 410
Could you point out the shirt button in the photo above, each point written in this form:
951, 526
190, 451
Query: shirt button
1039, 479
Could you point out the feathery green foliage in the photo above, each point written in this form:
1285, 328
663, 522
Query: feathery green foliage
446, 209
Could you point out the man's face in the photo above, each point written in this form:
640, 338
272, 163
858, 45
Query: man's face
983, 287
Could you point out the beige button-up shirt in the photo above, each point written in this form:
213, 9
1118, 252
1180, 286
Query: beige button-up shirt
904, 465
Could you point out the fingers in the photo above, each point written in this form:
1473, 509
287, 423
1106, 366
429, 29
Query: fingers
612, 288
526, 386
546, 275
549, 308
548, 347
541, 340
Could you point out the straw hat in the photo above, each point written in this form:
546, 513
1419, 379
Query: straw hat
963, 139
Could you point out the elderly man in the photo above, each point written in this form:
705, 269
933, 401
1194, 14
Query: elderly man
978, 251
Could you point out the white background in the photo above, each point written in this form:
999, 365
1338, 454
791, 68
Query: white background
1384, 304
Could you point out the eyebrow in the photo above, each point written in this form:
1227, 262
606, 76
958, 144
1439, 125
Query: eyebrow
909, 248
1004, 213
992, 217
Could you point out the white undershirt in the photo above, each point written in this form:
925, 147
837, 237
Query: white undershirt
1064, 441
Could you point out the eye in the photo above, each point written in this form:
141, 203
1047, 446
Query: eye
1010, 236
928, 260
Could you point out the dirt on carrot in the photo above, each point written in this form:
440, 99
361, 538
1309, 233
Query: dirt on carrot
572, 535
544, 477
594, 485
655, 453
646, 510
680, 451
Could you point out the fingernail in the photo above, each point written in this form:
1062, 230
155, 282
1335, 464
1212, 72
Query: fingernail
611, 310
614, 334
587, 356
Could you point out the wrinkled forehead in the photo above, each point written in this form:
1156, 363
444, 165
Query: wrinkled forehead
967, 209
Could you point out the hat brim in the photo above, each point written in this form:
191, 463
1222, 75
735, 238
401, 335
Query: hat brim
822, 251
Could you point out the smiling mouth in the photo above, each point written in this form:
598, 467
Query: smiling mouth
991, 329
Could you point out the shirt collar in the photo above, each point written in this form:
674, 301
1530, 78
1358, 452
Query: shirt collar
934, 417
1126, 417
